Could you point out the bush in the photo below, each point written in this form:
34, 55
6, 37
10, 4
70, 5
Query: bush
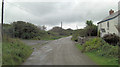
111, 39
108, 51
75, 36
24, 30
89, 30
93, 44
100, 47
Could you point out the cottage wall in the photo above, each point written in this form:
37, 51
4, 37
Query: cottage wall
113, 24
109, 27
119, 24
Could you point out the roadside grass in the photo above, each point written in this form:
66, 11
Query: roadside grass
101, 60
0, 53
14, 52
96, 57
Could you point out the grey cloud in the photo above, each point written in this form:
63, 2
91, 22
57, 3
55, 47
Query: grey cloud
52, 13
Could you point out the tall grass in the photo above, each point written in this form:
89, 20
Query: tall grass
14, 52
100, 51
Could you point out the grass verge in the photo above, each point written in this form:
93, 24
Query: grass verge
100, 60
14, 52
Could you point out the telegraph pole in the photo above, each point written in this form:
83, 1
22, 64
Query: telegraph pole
2, 16
1, 35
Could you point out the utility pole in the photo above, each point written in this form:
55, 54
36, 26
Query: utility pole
61, 29
1, 31
2, 16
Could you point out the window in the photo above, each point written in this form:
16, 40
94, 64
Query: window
103, 30
108, 25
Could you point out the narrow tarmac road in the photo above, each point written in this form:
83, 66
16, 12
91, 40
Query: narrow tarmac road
58, 52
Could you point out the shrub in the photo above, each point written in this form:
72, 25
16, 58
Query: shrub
75, 36
100, 47
24, 30
111, 39
93, 44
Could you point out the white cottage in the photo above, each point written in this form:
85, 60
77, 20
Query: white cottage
110, 24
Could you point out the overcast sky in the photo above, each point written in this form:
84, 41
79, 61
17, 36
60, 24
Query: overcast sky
51, 12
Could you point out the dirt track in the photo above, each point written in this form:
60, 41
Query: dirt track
58, 52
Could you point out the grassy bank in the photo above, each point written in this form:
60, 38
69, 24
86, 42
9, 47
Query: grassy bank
100, 52
14, 51
101, 60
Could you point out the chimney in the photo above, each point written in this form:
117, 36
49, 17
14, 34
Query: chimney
111, 11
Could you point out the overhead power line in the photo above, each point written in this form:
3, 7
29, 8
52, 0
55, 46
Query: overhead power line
14, 5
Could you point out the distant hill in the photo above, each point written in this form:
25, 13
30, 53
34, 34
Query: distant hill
61, 31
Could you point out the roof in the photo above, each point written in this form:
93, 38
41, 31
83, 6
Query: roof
110, 17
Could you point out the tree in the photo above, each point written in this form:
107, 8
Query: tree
89, 23
91, 29
42, 27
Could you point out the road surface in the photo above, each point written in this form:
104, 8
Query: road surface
58, 52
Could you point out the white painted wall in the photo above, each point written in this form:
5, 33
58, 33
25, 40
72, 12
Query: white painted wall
112, 29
